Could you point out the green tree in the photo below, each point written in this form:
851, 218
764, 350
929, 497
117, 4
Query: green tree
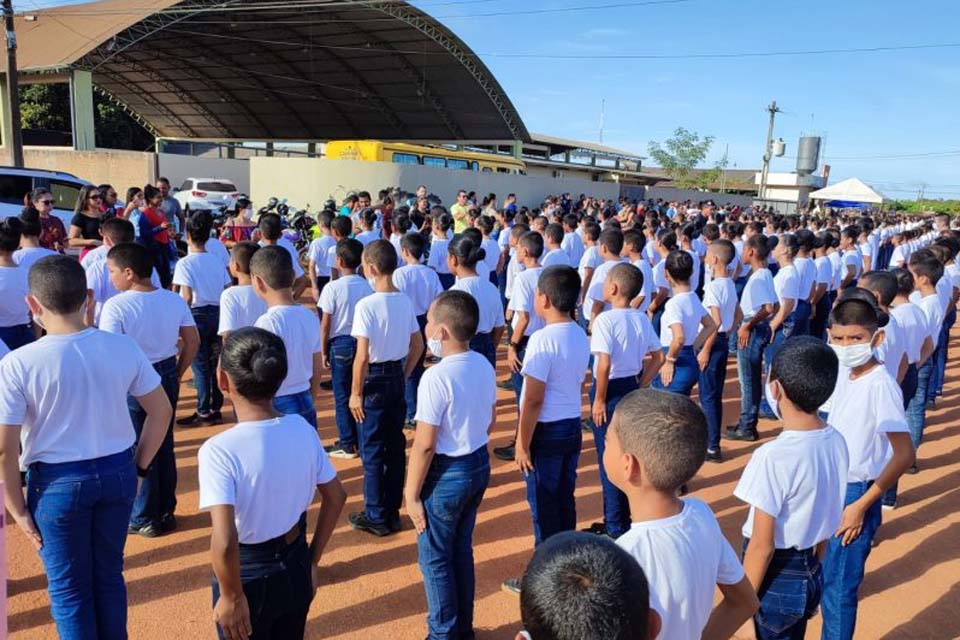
45, 106
680, 155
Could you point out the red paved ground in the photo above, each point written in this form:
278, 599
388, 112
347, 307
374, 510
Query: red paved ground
373, 587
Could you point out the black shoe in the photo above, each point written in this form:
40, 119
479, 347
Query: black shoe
215, 417
326, 385
511, 585
763, 415
713, 455
913, 470
336, 450
395, 524
597, 528
149, 531
168, 523
359, 521
506, 384
736, 434
586, 425
190, 421
506, 453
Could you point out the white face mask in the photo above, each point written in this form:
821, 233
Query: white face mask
435, 346
774, 405
853, 355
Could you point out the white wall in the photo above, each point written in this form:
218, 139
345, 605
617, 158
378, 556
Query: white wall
313, 181
178, 168
671, 194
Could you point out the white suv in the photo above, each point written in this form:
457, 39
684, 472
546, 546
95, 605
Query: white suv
206, 194
16, 183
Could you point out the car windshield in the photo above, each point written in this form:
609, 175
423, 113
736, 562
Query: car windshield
225, 187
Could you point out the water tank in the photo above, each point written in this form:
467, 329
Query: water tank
808, 155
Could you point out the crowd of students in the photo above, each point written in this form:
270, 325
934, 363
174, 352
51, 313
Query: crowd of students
839, 326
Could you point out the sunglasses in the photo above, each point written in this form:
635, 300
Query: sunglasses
95, 197
46, 202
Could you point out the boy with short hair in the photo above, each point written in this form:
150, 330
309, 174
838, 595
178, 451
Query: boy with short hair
589, 262
655, 444
337, 304
549, 435
272, 277
795, 486
341, 228
572, 243
449, 464
271, 233
525, 320
240, 306
99, 286
437, 260
666, 241
318, 266
202, 279
389, 344
156, 319
927, 271
609, 246
633, 243
555, 255
627, 356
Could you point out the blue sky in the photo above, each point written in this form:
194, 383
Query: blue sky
865, 104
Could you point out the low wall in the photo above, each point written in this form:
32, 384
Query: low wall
671, 194
120, 168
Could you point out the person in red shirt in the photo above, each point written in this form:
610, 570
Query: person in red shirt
153, 228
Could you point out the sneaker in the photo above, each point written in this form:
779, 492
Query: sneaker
506, 384
506, 453
511, 585
360, 522
192, 420
597, 528
888, 507
736, 434
149, 531
586, 425
326, 385
336, 450
713, 455
168, 523
215, 417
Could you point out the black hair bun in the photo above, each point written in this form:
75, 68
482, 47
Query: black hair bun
267, 363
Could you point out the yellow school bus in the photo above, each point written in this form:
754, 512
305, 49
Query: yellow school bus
403, 153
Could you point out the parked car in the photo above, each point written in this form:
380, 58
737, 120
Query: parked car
16, 183
206, 193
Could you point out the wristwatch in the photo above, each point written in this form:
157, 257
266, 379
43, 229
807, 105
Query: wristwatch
141, 472
515, 346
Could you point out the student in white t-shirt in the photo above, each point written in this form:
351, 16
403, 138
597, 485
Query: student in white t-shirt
219, 250
296, 325
589, 262
257, 480
30, 250
795, 486
441, 224
449, 463
820, 311
684, 327
318, 265
807, 283
389, 344
665, 243
491, 250
787, 318
609, 246
271, 233
240, 306
554, 254
368, 220
655, 445
633, 242
338, 347
157, 319
572, 243
549, 434
525, 321
99, 286
202, 279
892, 352
78, 448
16, 328
627, 355
462, 257
867, 409
927, 271
851, 259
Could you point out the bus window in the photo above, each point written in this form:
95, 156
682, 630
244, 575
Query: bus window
405, 158
456, 164
474, 166
433, 161
487, 170
503, 170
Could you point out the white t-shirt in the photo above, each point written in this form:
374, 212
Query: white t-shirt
216, 248
807, 272
366, 237
488, 299
557, 355
294, 257
267, 470
524, 288
555, 257
492, 251
627, 336
824, 271
589, 260
339, 300
240, 307
457, 395
300, 331
99, 283
684, 558
649, 289
573, 245
206, 277
13, 294
27, 256
787, 284
695, 274
595, 291
898, 258
153, 319
70, 394
438, 255
836, 265
387, 321
686, 310
799, 478
421, 284
891, 350
97, 253
912, 323
851, 258
757, 292
660, 278
864, 411
933, 311
319, 253
722, 293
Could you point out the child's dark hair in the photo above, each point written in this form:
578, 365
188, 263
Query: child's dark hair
759, 245
570, 220
666, 432
241, 254
342, 226
414, 244
325, 219
924, 263
459, 311
806, 368
851, 233
381, 255
634, 241
368, 217
474, 234
58, 283
443, 221
270, 226
402, 223
628, 278
679, 264
467, 252
579, 585
950, 243
711, 231
133, 256
667, 238
274, 265
723, 249
612, 239
905, 283
518, 230
485, 224
30, 218
533, 243
199, 226
882, 283
806, 239
118, 230
255, 361
561, 285
350, 253
11, 230
554, 233
789, 241
857, 307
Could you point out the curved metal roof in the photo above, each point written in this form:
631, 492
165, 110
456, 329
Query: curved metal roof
270, 70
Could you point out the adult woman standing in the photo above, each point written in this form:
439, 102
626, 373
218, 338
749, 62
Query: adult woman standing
240, 227
152, 233
53, 235
85, 226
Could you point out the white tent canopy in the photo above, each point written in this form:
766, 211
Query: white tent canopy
850, 190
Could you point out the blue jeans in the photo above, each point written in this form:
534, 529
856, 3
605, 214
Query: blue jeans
655, 320
277, 583
515, 376
750, 372
502, 282
482, 343
447, 280
300, 404
343, 350
909, 389
158, 491
81, 510
801, 318
943, 346
555, 451
780, 336
789, 594
451, 495
413, 382
711, 390
843, 570
686, 371
382, 444
818, 325
204, 365
17, 336
917, 406
616, 509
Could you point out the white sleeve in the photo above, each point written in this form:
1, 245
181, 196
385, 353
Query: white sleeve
601, 341
325, 470
888, 408
522, 296
13, 399
181, 275
710, 297
186, 316
537, 361
432, 400
217, 484
791, 287
595, 291
759, 486
362, 322
729, 570
228, 314
110, 319
328, 303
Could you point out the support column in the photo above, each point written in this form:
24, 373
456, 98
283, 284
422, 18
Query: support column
81, 110
6, 123
518, 149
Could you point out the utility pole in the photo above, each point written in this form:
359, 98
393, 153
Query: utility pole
13, 91
603, 110
768, 150
723, 169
